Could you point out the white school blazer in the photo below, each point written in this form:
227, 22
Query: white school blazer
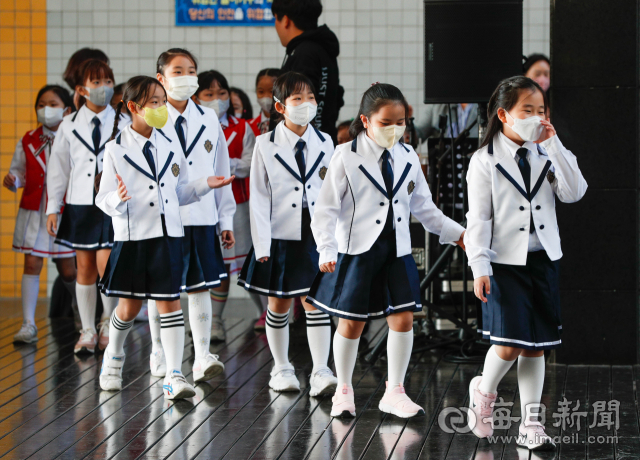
276, 188
498, 220
206, 155
352, 206
139, 218
72, 164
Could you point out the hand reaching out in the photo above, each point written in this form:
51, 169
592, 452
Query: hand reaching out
219, 181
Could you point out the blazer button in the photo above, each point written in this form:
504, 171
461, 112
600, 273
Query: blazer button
191, 162
101, 159
377, 221
313, 203
399, 219
89, 175
293, 205
521, 208
538, 207
41, 175
308, 186
297, 189
522, 229
150, 204
381, 204
39, 186
151, 187
162, 185
396, 202
166, 201
90, 159
542, 227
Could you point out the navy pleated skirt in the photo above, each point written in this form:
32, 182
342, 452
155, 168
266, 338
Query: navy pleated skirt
146, 269
85, 227
523, 308
202, 262
373, 284
291, 267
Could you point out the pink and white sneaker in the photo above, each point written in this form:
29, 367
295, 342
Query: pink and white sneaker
533, 437
482, 407
397, 402
87, 342
343, 404
261, 323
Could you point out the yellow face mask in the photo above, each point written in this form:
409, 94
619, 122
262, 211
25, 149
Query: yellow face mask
156, 118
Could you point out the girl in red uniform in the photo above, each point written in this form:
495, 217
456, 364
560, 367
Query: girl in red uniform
264, 91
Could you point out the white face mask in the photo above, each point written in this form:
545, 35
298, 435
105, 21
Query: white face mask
529, 129
387, 136
181, 88
218, 105
238, 114
100, 96
301, 114
266, 103
50, 116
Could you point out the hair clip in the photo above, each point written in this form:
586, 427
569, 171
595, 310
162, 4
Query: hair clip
376, 83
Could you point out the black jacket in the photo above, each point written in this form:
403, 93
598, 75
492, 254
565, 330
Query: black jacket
314, 53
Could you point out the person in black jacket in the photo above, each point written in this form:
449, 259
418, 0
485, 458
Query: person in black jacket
312, 51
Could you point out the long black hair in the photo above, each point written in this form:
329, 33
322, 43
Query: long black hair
506, 96
247, 110
206, 79
377, 96
285, 85
139, 90
61, 92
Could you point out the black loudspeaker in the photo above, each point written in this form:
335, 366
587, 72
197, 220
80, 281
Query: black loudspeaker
470, 45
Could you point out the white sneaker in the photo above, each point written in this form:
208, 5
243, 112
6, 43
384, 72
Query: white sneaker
206, 368
158, 364
87, 342
323, 382
217, 330
111, 372
28, 333
533, 437
283, 378
175, 386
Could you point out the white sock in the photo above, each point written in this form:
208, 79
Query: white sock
319, 337
200, 322
154, 326
30, 290
118, 333
494, 369
109, 304
399, 346
530, 382
277, 327
71, 287
218, 301
172, 333
345, 352
87, 297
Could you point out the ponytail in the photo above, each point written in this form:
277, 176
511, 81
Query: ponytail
116, 121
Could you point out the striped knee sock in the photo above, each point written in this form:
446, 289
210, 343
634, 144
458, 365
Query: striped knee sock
172, 335
118, 334
319, 336
278, 336
218, 301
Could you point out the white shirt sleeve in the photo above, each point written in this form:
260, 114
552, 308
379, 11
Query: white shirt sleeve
18, 167
477, 239
260, 205
58, 171
328, 206
569, 184
241, 167
225, 202
107, 198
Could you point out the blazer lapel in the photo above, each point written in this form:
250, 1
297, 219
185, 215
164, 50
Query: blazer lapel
133, 154
401, 166
283, 153
540, 165
196, 126
509, 168
82, 132
315, 153
369, 165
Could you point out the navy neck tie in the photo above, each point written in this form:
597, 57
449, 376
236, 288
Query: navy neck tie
302, 167
387, 175
525, 170
149, 156
180, 131
96, 135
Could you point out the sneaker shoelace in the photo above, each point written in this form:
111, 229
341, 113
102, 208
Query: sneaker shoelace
486, 410
326, 372
212, 356
287, 373
179, 377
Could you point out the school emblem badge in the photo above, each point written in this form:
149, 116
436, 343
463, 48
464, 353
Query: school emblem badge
410, 187
323, 172
208, 146
175, 169
551, 177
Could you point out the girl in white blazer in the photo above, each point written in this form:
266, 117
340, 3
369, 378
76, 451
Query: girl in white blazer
361, 225
76, 159
288, 168
144, 183
513, 244
30, 237
197, 134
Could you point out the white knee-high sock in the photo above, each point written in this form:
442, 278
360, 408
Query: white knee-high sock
172, 333
277, 328
530, 383
218, 301
108, 306
30, 290
494, 369
87, 296
118, 334
200, 322
319, 337
399, 346
345, 353
154, 326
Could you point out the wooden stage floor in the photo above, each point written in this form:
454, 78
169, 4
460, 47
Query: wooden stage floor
51, 406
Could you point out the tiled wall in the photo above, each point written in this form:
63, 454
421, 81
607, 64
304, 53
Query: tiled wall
23, 71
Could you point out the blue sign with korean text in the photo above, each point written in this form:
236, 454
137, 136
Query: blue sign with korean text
224, 13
